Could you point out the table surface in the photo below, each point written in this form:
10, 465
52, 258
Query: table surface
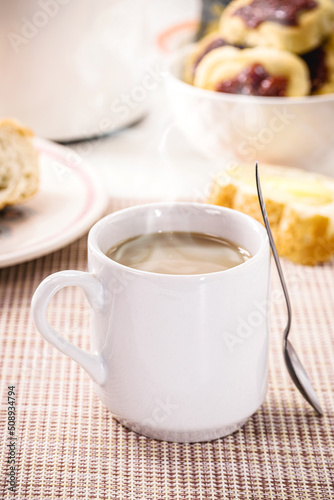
69, 446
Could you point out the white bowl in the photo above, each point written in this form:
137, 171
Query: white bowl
231, 127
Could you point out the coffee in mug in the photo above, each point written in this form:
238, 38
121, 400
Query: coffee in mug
178, 252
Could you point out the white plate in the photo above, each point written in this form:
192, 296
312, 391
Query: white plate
69, 201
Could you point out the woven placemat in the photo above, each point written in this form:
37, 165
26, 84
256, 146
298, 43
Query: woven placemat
69, 447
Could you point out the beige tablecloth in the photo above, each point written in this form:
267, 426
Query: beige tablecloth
69, 446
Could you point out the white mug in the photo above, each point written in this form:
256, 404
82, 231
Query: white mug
175, 357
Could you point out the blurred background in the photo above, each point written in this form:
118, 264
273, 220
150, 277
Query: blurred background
92, 75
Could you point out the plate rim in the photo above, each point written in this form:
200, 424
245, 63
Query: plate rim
81, 226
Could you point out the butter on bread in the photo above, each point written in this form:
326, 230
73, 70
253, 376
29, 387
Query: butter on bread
300, 207
19, 169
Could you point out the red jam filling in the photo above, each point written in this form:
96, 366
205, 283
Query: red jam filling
316, 62
255, 80
215, 44
279, 11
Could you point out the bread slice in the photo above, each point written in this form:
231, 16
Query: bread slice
19, 169
300, 207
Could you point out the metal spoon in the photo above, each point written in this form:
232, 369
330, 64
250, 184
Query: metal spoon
293, 364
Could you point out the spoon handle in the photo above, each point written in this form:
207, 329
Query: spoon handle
273, 248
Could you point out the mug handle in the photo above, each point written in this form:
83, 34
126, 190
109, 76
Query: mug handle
93, 364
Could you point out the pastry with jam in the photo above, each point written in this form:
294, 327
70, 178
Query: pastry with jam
320, 62
204, 46
298, 26
259, 71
